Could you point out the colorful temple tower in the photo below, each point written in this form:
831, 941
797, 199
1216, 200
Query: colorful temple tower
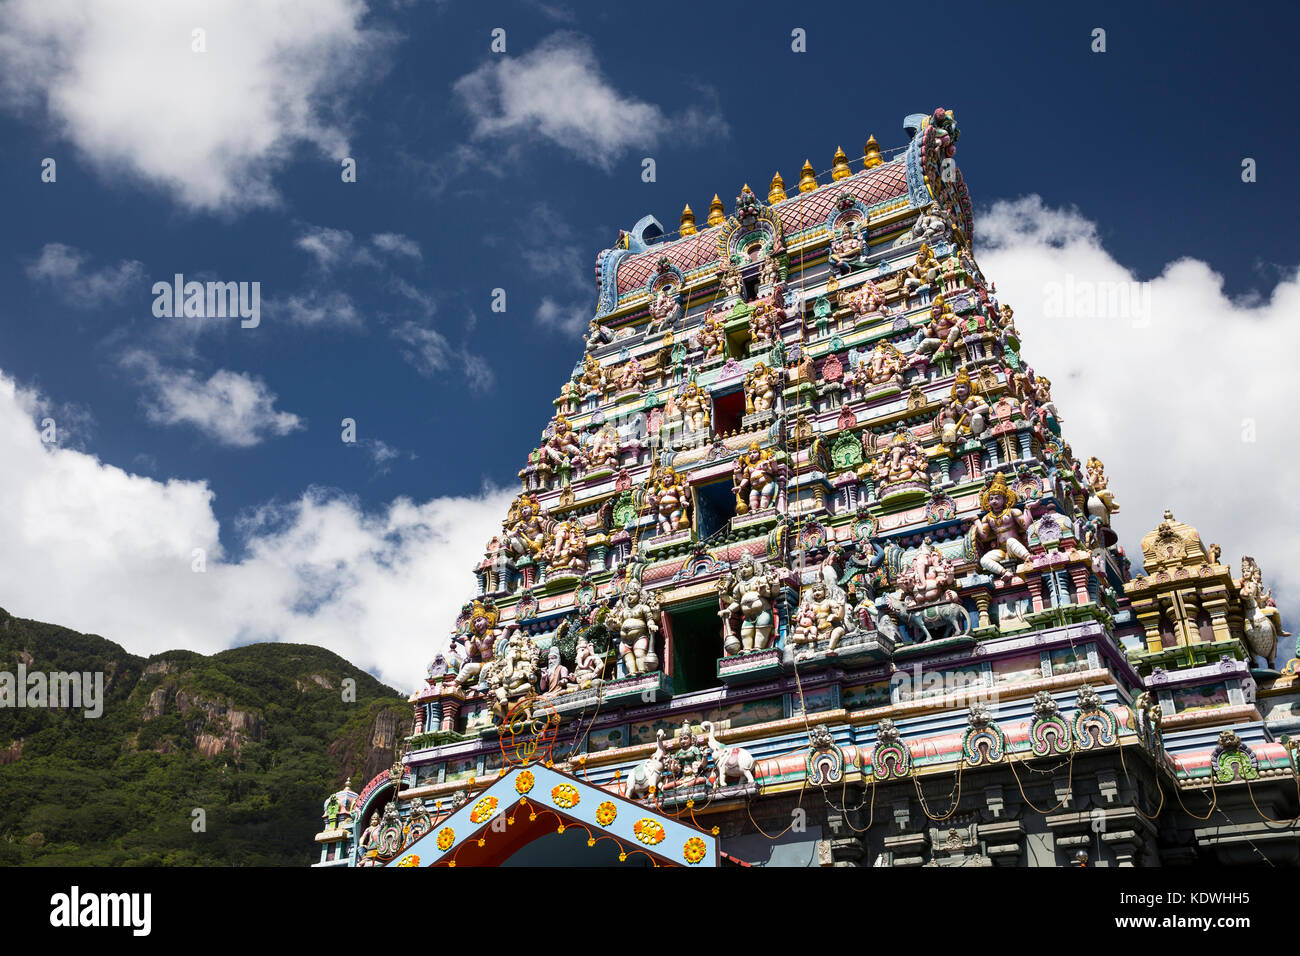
803, 572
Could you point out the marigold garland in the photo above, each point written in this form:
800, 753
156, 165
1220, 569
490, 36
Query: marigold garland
606, 812
649, 831
565, 795
694, 850
446, 837
524, 782
483, 809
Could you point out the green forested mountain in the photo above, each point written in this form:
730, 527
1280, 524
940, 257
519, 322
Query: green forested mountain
256, 737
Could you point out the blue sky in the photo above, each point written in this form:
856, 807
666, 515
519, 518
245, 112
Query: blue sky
479, 170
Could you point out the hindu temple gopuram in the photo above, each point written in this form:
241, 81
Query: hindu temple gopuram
804, 572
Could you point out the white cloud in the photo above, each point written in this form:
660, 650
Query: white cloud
63, 268
320, 309
91, 547
1164, 394
120, 80
397, 244
430, 353
233, 408
327, 246
571, 320
558, 92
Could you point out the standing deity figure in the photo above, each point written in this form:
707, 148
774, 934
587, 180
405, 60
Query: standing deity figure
636, 616
665, 310
730, 281
526, 526
563, 445
1045, 407
821, 617
901, 461
1101, 501
963, 413
930, 226
847, 249
555, 679
751, 595
632, 375
765, 320
1001, 531
711, 337
588, 666
864, 300
593, 376
1007, 321
885, 366
760, 389
769, 273
570, 396
1263, 619
604, 450
754, 479
924, 271
929, 578
670, 500
694, 403
479, 642
940, 332
567, 550
369, 836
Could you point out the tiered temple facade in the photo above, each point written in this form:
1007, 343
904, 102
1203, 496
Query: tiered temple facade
803, 572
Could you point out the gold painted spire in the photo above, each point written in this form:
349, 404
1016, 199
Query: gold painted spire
716, 212
807, 178
688, 221
840, 165
776, 191
871, 154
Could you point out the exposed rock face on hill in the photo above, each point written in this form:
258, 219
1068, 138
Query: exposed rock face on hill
256, 737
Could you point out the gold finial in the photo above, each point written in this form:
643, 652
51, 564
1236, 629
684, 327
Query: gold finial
840, 165
871, 157
688, 221
776, 191
716, 213
807, 178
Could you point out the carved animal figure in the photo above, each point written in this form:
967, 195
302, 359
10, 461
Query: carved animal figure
644, 777
735, 760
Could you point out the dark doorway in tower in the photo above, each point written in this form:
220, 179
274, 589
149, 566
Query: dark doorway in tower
697, 645
715, 505
728, 410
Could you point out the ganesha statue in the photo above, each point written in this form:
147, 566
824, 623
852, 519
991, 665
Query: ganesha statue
864, 301
929, 578
567, 550
900, 466
884, 367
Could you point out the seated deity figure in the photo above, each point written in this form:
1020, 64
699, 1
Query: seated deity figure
605, 447
588, 666
567, 550
593, 376
1101, 501
513, 674
665, 310
555, 679
631, 376
761, 388
885, 366
930, 226
689, 757
636, 617
1001, 531
1007, 321
963, 413
866, 302
711, 337
755, 476
939, 333
751, 595
924, 271
847, 249
1256, 596
670, 500
526, 527
821, 617
902, 460
929, 578
597, 335
694, 404
478, 642
563, 445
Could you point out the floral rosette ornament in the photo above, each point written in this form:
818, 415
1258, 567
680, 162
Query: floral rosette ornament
411, 859
524, 782
446, 837
694, 850
606, 812
649, 831
483, 809
565, 795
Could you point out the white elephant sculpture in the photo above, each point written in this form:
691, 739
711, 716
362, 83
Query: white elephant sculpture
644, 777
734, 760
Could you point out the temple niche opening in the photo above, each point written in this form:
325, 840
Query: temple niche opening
805, 532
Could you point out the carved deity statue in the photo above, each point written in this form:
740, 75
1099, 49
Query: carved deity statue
939, 333
636, 616
770, 271
847, 249
755, 476
902, 460
479, 641
694, 403
669, 498
929, 577
555, 679
631, 377
512, 674
761, 386
821, 617
593, 376
751, 594
964, 414
526, 527
563, 445
603, 451
765, 322
924, 271
567, 549
884, 366
1263, 621
665, 310
597, 335
865, 300
711, 336
930, 226
588, 666
1101, 501
730, 281
1002, 529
